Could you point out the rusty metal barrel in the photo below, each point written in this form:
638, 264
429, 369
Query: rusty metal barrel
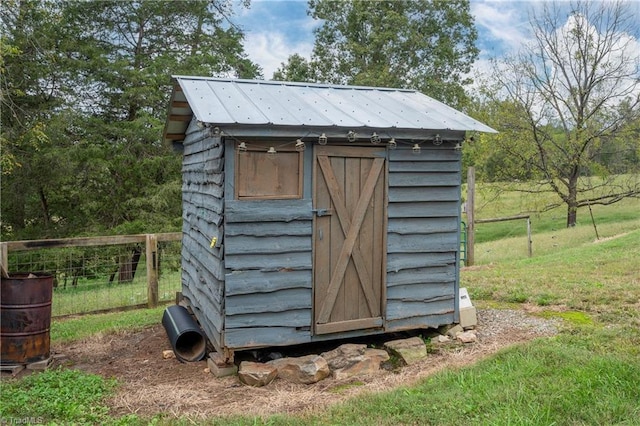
25, 318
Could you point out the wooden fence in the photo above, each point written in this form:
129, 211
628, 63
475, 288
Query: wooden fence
150, 255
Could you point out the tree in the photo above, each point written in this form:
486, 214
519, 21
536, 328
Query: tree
427, 45
566, 97
297, 68
140, 45
34, 76
84, 93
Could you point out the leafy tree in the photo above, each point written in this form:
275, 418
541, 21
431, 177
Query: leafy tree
427, 45
565, 100
84, 93
34, 76
297, 68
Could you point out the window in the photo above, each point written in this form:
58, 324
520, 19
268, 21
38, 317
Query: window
262, 175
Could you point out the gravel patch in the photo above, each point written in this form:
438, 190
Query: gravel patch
500, 322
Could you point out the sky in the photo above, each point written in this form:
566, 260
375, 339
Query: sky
276, 29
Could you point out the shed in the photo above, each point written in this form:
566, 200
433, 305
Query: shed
315, 212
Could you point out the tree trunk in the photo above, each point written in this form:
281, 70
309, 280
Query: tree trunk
128, 266
572, 202
572, 216
45, 207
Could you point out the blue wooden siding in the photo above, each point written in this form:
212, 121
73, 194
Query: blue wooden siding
254, 288
202, 203
268, 267
422, 239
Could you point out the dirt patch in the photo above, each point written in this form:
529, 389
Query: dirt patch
152, 385
613, 237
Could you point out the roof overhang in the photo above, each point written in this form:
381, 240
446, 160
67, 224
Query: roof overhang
282, 109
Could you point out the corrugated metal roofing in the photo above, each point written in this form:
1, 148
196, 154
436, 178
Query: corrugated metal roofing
274, 103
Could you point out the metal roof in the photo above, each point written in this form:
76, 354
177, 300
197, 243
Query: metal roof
221, 102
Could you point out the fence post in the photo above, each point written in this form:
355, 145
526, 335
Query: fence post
471, 226
4, 257
529, 242
151, 255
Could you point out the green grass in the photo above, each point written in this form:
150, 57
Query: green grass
599, 277
78, 328
95, 295
492, 204
56, 396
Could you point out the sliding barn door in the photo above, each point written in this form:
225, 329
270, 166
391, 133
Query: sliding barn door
349, 238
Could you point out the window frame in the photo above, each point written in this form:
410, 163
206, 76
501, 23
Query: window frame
257, 147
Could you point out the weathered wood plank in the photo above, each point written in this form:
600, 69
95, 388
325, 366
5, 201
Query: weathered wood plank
412, 226
426, 321
207, 314
200, 194
193, 215
196, 177
424, 179
205, 237
270, 229
201, 141
400, 261
423, 243
244, 244
346, 325
208, 224
212, 334
202, 282
199, 246
201, 259
213, 165
255, 337
418, 193
422, 276
169, 236
205, 200
203, 271
87, 241
255, 281
398, 309
277, 301
293, 318
268, 210
422, 292
205, 162
201, 300
424, 209
196, 136
353, 334
424, 166
429, 153
269, 262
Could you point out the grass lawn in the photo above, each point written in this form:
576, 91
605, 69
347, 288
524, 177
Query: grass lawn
589, 374
96, 295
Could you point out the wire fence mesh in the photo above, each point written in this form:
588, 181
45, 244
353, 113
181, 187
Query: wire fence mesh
101, 277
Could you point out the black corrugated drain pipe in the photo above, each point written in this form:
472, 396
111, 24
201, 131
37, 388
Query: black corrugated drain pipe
187, 340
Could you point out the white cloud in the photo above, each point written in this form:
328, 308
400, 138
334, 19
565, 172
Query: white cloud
271, 49
503, 25
274, 30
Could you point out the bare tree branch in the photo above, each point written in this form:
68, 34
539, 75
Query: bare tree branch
577, 85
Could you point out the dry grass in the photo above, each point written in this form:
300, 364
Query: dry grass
151, 385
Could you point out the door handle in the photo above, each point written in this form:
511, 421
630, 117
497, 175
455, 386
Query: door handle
322, 212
